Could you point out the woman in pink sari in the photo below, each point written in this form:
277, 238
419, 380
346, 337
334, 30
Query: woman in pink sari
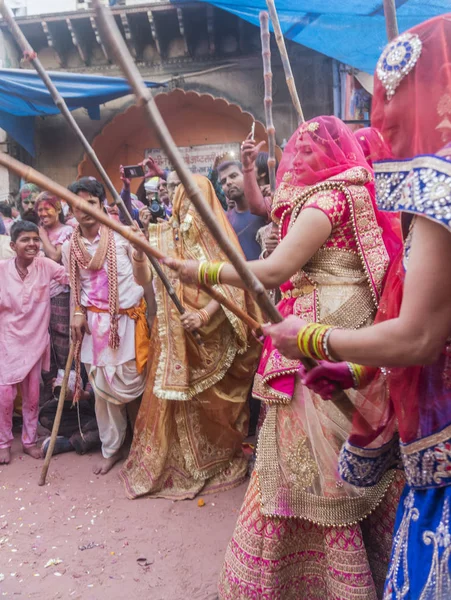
302, 532
373, 145
53, 233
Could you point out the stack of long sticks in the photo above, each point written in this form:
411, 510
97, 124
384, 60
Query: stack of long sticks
114, 41
267, 76
144, 98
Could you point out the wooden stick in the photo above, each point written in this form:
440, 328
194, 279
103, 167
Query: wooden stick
29, 174
30, 54
267, 76
232, 307
285, 60
111, 35
59, 412
391, 22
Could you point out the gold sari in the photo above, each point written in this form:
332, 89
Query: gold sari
193, 416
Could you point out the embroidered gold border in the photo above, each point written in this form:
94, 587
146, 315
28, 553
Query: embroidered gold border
164, 307
321, 510
427, 442
425, 161
371, 452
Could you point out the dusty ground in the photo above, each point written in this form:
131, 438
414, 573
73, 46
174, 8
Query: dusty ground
86, 521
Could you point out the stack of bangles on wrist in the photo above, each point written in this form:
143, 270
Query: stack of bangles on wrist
80, 311
136, 258
361, 375
209, 272
204, 316
312, 341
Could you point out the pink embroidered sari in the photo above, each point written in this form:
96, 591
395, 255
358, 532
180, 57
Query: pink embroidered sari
302, 532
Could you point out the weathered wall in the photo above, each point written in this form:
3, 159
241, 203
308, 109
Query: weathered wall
9, 59
59, 152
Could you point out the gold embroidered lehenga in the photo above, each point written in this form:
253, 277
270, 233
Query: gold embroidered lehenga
303, 533
193, 416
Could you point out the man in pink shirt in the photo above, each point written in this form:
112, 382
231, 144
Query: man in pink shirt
24, 338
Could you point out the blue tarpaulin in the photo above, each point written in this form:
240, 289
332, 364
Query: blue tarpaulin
23, 96
351, 31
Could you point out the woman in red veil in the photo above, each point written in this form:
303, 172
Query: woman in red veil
373, 145
302, 532
411, 339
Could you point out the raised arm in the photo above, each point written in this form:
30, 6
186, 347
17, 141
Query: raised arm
309, 232
418, 335
258, 204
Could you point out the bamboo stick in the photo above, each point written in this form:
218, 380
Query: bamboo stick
391, 22
29, 174
267, 75
30, 54
235, 309
285, 60
59, 412
115, 42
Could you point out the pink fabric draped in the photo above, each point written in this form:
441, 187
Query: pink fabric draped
373, 145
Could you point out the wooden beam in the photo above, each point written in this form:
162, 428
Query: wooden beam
131, 40
154, 31
211, 29
182, 29
51, 41
98, 40
76, 42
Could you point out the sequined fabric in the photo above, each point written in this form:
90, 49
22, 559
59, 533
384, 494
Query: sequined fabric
420, 562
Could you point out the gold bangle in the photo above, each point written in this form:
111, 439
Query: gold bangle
221, 266
204, 316
79, 314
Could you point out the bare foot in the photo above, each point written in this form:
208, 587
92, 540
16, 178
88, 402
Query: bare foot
106, 464
32, 451
5, 456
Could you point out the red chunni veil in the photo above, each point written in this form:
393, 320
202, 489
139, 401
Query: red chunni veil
336, 150
416, 120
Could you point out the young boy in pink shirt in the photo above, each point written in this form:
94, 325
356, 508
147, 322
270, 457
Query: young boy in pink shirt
24, 338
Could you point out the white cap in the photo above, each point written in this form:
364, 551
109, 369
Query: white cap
151, 185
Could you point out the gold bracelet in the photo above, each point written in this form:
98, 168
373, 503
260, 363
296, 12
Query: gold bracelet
221, 266
204, 316
79, 314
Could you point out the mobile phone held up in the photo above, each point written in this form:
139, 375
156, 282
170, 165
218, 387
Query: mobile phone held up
133, 171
